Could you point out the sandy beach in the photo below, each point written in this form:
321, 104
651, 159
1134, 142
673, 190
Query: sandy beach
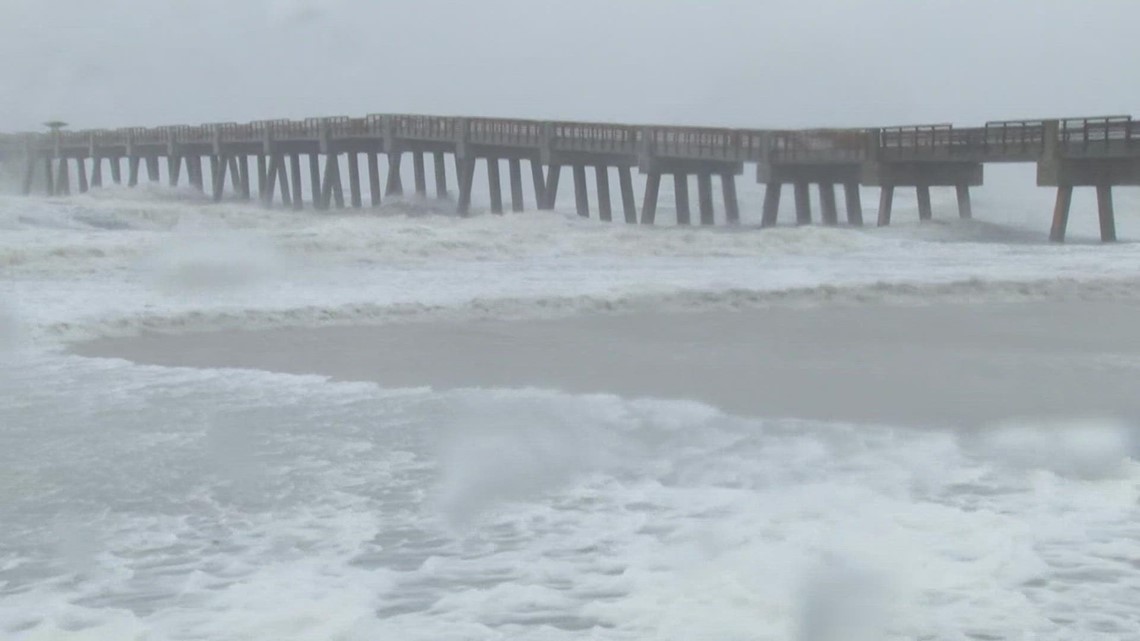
955, 365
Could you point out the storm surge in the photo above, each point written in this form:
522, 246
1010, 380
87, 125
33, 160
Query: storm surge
147, 502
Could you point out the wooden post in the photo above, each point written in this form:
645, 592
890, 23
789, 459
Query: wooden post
440, 176
629, 206
420, 173
605, 206
924, 210
649, 204
771, 204
681, 197
965, 209
886, 201
551, 192
354, 179
854, 204
116, 170
514, 166
394, 187
803, 203
581, 199
731, 204
495, 185
1106, 214
1061, 213
81, 174
827, 204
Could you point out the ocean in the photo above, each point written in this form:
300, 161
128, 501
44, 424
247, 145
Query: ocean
153, 503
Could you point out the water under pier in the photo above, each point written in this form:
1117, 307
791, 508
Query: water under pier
278, 156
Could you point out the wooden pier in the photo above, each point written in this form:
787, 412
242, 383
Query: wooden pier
1100, 152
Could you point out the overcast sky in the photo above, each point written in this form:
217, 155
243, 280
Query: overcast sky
762, 63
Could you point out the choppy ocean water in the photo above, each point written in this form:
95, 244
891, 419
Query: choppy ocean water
153, 503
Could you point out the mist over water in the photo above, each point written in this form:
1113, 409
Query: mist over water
146, 502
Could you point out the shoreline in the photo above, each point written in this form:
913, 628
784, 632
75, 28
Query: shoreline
947, 364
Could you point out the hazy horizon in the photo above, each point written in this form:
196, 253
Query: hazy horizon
758, 64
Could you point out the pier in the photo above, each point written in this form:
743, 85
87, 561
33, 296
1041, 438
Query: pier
277, 157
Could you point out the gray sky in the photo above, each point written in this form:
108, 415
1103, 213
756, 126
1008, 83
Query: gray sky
762, 63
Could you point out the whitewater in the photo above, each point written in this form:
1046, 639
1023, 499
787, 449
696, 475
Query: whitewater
153, 503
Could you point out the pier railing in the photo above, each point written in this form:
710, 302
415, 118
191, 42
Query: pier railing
995, 141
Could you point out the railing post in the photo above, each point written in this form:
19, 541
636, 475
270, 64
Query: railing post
873, 144
546, 143
1051, 139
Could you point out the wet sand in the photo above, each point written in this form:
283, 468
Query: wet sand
939, 365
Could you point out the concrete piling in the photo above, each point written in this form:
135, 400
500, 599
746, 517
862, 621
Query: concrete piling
827, 205
854, 204
132, 171
1105, 213
466, 175
315, 185
495, 185
681, 198
731, 204
96, 172
1061, 213
514, 168
354, 179
283, 180
605, 205
152, 173
420, 173
924, 209
295, 176
886, 202
581, 197
395, 186
803, 203
771, 204
440, 176
174, 168
965, 208
539, 183
374, 178
551, 191
628, 205
649, 204
49, 177
705, 198
81, 174
63, 179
